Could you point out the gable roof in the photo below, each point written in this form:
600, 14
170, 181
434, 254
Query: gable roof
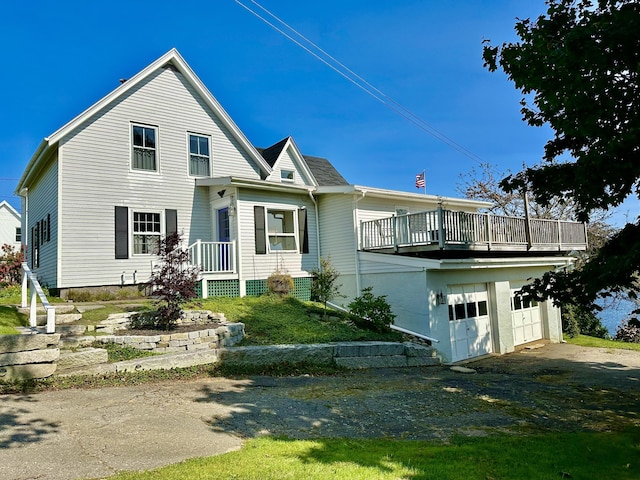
10, 209
324, 173
176, 60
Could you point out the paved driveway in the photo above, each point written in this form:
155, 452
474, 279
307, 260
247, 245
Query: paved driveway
93, 433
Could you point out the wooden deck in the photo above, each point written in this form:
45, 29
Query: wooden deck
445, 230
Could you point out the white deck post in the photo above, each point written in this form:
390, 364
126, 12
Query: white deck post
32, 308
51, 320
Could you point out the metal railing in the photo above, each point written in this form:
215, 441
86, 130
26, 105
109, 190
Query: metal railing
445, 227
29, 280
213, 257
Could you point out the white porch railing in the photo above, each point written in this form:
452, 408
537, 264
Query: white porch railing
444, 228
30, 280
213, 257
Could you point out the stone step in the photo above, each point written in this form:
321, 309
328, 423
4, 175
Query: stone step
81, 358
70, 330
60, 318
60, 308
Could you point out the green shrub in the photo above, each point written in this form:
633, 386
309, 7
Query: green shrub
369, 311
324, 288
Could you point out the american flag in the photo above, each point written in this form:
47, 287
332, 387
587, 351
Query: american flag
420, 180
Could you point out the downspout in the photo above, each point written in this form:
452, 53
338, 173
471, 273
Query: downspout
356, 236
315, 204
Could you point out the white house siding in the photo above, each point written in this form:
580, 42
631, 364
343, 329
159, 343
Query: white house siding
260, 266
337, 232
288, 162
95, 169
9, 221
43, 205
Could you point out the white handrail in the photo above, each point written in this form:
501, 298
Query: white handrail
36, 289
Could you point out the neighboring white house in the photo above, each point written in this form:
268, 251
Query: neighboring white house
159, 154
10, 227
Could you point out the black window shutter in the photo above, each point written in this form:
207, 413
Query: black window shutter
303, 231
171, 221
122, 232
261, 237
48, 227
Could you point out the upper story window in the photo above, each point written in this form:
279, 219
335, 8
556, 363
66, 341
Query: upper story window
146, 233
199, 156
18, 234
281, 230
144, 155
286, 175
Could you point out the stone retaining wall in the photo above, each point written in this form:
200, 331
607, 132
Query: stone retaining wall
223, 336
28, 356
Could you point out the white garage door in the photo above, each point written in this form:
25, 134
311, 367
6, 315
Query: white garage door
525, 315
469, 324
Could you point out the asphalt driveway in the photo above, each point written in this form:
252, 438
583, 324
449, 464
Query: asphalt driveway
94, 433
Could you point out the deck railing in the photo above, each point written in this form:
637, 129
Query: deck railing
449, 228
213, 257
30, 282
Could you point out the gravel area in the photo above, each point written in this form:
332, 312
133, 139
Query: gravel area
91, 433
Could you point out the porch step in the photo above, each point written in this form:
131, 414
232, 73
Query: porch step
71, 330
60, 319
60, 308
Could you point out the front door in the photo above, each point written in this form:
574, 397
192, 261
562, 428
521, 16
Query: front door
223, 225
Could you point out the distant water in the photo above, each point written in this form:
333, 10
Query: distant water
613, 313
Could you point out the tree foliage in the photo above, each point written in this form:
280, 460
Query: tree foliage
578, 67
11, 264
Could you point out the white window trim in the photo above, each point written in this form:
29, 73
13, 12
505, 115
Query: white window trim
294, 212
209, 139
131, 146
287, 180
132, 212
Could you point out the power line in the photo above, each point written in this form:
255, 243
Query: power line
359, 81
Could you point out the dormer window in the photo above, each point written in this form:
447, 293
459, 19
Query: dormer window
286, 176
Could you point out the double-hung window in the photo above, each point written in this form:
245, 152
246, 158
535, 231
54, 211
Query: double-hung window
199, 156
144, 155
146, 233
281, 230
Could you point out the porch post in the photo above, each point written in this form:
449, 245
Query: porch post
489, 230
24, 287
32, 307
440, 227
394, 232
527, 220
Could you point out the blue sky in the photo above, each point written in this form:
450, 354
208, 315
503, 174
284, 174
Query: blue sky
60, 57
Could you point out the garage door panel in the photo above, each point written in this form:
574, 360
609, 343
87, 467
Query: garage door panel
469, 321
525, 318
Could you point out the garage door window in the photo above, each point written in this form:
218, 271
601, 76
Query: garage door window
460, 311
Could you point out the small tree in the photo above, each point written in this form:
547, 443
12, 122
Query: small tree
174, 281
372, 312
324, 288
11, 264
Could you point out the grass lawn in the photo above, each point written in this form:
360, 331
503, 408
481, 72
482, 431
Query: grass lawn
271, 320
11, 318
586, 341
546, 456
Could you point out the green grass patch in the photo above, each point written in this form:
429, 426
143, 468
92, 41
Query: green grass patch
272, 320
586, 341
11, 318
120, 353
546, 456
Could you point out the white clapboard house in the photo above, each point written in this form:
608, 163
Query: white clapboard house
159, 154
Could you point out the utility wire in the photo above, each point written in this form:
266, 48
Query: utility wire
359, 81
